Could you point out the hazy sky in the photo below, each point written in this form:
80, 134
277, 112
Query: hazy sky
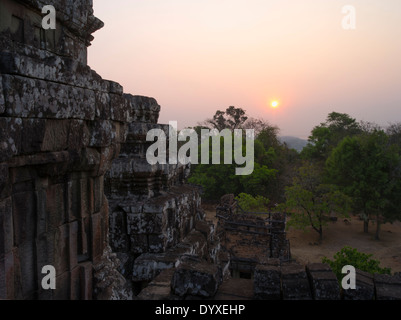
198, 56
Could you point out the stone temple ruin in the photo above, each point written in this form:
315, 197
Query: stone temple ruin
77, 193
250, 238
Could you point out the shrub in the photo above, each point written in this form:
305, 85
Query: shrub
359, 260
250, 203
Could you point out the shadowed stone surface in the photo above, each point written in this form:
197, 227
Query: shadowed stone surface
194, 277
323, 281
61, 125
365, 289
295, 284
267, 282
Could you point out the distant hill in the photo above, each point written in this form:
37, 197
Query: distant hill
294, 142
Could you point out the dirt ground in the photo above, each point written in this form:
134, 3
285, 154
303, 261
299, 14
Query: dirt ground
305, 248
336, 235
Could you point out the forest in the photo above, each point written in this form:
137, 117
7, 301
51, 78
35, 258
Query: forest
348, 168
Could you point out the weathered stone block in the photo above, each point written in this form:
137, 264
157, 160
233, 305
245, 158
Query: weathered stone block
81, 103
122, 113
73, 245
27, 97
84, 198
295, 284
155, 207
6, 226
34, 137
78, 135
269, 261
89, 159
102, 103
267, 282
365, 289
147, 266
196, 278
236, 289
72, 198
34, 98
26, 255
84, 228
206, 228
23, 209
144, 223
387, 287
75, 283
45, 246
91, 196
55, 206
156, 243
80, 278
63, 286
10, 137
126, 263
138, 243
145, 109
98, 192
86, 280
41, 213
155, 292
323, 282
3, 181
55, 135
120, 131
97, 232
106, 156
2, 102
61, 254
7, 275
118, 231
101, 133
159, 288
198, 243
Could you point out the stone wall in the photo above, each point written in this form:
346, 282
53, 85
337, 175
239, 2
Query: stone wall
195, 279
153, 213
250, 238
61, 125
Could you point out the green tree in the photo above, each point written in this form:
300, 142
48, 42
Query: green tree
367, 168
359, 260
259, 181
273, 161
251, 203
310, 201
327, 135
220, 179
232, 118
394, 133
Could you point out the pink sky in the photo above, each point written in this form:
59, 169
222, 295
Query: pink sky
196, 57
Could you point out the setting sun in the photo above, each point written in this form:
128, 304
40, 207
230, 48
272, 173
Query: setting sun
274, 104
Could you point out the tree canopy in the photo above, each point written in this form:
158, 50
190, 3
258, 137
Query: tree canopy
271, 160
310, 201
367, 168
325, 137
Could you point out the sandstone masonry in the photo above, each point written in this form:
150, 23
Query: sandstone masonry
61, 125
